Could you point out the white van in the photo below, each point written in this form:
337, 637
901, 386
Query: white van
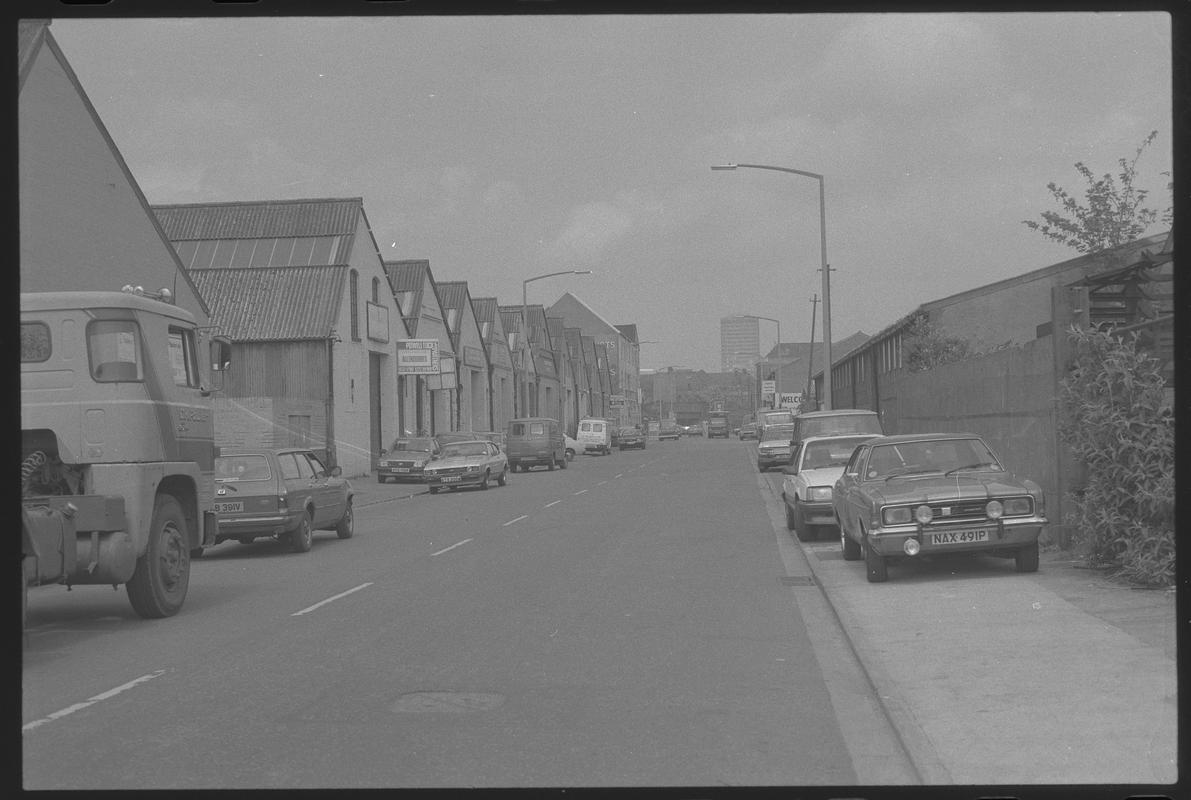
595, 435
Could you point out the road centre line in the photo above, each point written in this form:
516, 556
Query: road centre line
619, 475
91, 701
581, 491
330, 599
510, 522
452, 547
556, 502
601, 483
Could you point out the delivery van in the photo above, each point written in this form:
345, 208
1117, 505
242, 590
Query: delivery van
595, 436
532, 441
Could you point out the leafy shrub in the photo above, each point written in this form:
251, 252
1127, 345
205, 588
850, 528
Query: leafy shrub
925, 346
1116, 421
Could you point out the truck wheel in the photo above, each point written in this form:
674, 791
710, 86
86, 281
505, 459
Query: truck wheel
570, 454
346, 526
301, 537
162, 575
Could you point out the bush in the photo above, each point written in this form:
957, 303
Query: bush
1115, 420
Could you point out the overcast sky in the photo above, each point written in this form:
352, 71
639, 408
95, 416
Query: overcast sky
501, 148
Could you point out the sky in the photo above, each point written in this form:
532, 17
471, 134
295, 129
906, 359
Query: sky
506, 147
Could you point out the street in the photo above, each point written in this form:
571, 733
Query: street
621, 622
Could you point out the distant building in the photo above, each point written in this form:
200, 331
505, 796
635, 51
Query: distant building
740, 343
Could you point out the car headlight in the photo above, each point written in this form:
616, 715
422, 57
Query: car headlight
924, 514
473, 467
819, 493
1018, 506
898, 515
994, 509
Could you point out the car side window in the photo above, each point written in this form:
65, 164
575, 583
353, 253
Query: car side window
320, 471
289, 467
853, 467
303, 465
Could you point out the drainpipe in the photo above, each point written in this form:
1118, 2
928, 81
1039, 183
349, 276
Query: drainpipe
332, 459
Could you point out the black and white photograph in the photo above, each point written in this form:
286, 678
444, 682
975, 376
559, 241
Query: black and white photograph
543, 397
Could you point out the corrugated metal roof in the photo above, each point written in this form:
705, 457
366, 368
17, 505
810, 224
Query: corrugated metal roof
452, 294
273, 303
409, 276
260, 219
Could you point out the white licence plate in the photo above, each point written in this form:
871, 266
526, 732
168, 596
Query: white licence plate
959, 537
401, 469
450, 479
229, 507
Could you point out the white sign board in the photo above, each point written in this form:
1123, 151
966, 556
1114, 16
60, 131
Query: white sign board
790, 400
768, 388
417, 357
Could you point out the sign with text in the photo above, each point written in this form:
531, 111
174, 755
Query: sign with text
790, 400
768, 388
417, 357
616, 400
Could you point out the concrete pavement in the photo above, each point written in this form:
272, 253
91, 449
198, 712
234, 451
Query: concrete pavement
994, 678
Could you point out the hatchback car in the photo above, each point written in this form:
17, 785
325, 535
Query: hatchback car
467, 463
669, 432
808, 482
748, 431
405, 459
773, 446
911, 495
286, 494
631, 437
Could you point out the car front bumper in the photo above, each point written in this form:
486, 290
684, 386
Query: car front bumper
450, 481
817, 513
404, 474
1001, 535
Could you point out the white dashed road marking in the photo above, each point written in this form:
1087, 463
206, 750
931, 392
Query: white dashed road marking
581, 491
452, 547
518, 519
92, 701
556, 502
330, 600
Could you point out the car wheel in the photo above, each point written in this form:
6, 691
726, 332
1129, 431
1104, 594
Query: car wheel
501, 479
804, 532
790, 525
380, 479
484, 481
161, 576
849, 546
346, 526
301, 537
875, 566
570, 455
1026, 558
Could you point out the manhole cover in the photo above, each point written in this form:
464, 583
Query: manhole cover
797, 580
447, 702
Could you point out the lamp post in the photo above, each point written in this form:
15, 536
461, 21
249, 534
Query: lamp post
525, 322
777, 395
655, 380
823, 266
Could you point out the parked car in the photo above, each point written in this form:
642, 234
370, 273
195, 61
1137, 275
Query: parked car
809, 477
923, 494
773, 446
285, 494
669, 432
631, 437
535, 440
594, 436
406, 458
836, 422
748, 431
467, 463
695, 430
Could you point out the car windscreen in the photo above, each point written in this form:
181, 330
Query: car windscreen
413, 445
242, 468
465, 449
930, 455
839, 424
830, 452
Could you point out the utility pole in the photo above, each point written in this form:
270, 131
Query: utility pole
810, 369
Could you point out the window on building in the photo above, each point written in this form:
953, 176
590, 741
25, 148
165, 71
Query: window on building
354, 299
242, 256
283, 250
376, 290
323, 247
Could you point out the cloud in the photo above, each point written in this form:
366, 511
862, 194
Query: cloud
590, 231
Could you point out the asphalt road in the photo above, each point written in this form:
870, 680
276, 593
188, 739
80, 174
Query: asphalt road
634, 620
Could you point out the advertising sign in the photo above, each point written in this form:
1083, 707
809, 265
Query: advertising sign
417, 357
790, 400
768, 388
616, 400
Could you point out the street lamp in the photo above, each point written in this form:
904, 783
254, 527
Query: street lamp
525, 321
823, 266
777, 395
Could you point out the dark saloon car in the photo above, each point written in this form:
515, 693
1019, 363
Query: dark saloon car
405, 460
669, 432
918, 495
286, 494
631, 437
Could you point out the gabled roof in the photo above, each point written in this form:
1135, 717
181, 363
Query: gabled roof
629, 332
571, 298
410, 275
261, 219
486, 310
273, 303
